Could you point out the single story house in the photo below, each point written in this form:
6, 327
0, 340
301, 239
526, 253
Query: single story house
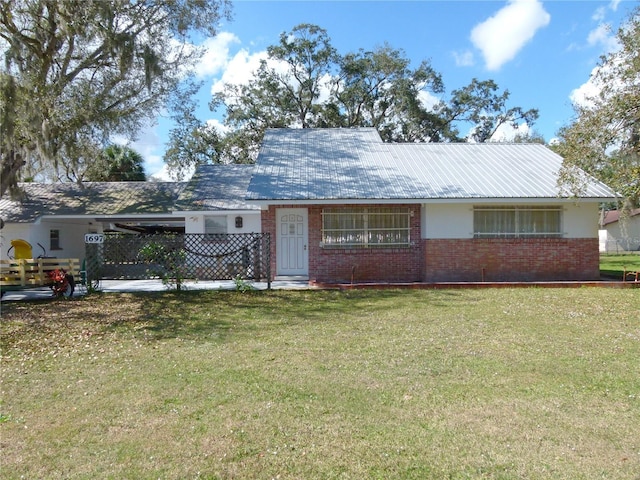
620, 232
54, 218
343, 206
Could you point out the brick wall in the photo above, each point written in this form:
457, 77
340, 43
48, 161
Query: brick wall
359, 265
496, 260
444, 260
365, 264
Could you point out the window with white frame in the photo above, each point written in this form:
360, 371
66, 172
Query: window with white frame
517, 221
360, 227
54, 239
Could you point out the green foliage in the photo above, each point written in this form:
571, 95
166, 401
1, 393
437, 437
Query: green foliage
192, 142
78, 72
480, 104
117, 163
242, 285
604, 139
166, 261
378, 89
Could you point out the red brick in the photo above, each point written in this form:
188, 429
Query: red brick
444, 260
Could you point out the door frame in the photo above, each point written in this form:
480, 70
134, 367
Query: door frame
304, 270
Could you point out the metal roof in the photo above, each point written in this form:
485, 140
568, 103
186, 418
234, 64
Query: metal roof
217, 187
354, 164
92, 198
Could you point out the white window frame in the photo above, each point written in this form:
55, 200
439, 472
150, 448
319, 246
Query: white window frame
518, 226
355, 227
54, 239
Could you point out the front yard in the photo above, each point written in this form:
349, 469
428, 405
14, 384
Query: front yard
505, 383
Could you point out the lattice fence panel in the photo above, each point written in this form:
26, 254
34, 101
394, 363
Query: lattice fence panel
194, 256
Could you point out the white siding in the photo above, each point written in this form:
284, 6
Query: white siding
441, 220
581, 220
250, 222
12, 231
623, 235
71, 237
447, 220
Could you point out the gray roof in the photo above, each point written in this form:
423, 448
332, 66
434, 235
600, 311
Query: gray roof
217, 187
354, 164
93, 198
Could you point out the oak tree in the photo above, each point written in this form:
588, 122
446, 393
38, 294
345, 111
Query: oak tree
78, 72
604, 138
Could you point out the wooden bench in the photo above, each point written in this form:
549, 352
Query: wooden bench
33, 272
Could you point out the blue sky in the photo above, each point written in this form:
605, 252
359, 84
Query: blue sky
543, 52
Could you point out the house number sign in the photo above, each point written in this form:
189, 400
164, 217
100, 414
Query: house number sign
94, 238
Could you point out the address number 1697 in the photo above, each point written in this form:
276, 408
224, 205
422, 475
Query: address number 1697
94, 238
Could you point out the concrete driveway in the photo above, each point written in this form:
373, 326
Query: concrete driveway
113, 286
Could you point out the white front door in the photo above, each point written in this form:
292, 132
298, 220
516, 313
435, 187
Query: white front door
291, 241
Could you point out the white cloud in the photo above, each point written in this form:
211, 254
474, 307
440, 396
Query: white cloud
218, 126
464, 59
506, 132
428, 100
163, 175
239, 70
599, 14
503, 35
614, 4
216, 55
602, 36
585, 94
582, 95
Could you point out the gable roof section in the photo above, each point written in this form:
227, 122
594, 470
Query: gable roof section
217, 187
354, 164
94, 198
612, 216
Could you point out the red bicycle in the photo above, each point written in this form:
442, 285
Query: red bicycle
63, 283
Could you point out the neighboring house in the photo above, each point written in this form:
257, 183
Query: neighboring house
620, 232
343, 206
54, 218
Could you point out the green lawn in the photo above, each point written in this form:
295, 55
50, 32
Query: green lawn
615, 265
425, 384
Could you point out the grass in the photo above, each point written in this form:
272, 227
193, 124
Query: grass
612, 265
459, 384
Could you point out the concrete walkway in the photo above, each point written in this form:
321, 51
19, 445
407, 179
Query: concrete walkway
132, 286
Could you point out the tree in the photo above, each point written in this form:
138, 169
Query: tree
117, 163
528, 137
604, 138
192, 142
479, 105
378, 89
306, 83
285, 91
78, 72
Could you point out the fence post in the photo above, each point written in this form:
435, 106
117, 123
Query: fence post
268, 259
91, 265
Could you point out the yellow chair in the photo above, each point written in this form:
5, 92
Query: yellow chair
21, 249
